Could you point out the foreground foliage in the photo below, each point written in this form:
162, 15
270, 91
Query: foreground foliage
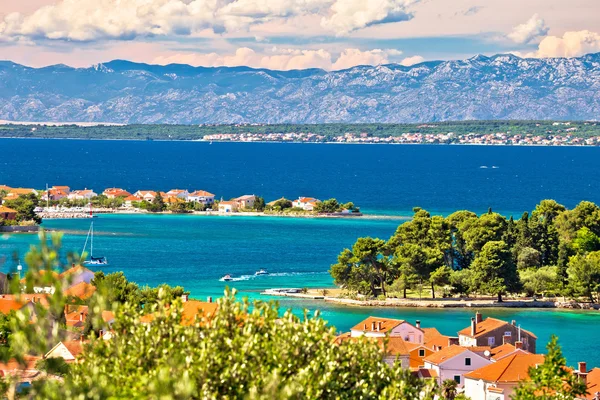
242, 351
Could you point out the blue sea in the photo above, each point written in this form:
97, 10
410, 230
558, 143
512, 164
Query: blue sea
195, 251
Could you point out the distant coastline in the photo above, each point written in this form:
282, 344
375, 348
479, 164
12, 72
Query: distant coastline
513, 133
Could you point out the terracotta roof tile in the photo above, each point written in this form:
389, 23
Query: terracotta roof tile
512, 368
382, 325
445, 354
393, 346
593, 383
82, 290
486, 326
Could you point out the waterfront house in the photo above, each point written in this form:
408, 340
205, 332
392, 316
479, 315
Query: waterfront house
381, 327
4, 188
306, 203
494, 332
417, 354
203, 197
65, 189
131, 199
7, 213
454, 362
22, 191
113, 193
246, 201
498, 380
147, 195
395, 348
179, 193
54, 194
228, 206
85, 194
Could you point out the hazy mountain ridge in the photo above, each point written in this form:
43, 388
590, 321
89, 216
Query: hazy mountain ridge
499, 87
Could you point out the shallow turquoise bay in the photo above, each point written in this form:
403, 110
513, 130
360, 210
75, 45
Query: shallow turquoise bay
196, 251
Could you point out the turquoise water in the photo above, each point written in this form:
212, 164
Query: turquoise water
196, 251
387, 179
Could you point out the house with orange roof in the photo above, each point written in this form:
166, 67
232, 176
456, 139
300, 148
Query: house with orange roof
436, 341
193, 311
22, 191
395, 349
37, 286
381, 327
499, 380
7, 213
130, 199
147, 195
228, 207
593, 382
85, 194
306, 203
454, 362
65, 189
68, 350
113, 193
498, 353
495, 332
75, 316
246, 201
54, 194
82, 290
202, 196
25, 374
4, 188
417, 354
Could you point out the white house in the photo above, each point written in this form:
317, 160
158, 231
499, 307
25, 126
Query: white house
454, 362
246, 201
498, 380
202, 196
147, 195
179, 193
85, 194
380, 327
67, 350
228, 206
306, 203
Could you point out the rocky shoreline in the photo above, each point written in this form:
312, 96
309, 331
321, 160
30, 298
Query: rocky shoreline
441, 303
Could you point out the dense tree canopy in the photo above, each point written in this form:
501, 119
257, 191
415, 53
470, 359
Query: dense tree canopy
550, 251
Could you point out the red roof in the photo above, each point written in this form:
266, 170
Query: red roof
202, 193
445, 354
82, 290
513, 368
486, 326
381, 325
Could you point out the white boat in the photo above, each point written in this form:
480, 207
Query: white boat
93, 260
227, 278
261, 272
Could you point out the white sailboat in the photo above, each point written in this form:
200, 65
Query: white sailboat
93, 260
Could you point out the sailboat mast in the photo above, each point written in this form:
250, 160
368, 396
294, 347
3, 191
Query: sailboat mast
92, 241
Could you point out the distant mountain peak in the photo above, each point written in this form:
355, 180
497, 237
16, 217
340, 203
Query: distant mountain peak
503, 86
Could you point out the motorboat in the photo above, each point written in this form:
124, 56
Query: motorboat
261, 272
227, 278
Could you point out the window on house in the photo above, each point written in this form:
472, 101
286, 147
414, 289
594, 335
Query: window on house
421, 352
468, 361
457, 379
508, 333
491, 341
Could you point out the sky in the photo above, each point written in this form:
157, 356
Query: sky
292, 34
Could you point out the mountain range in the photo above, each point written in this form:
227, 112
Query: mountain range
480, 88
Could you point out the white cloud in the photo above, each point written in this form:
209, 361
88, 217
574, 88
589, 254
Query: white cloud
571, 44
90, 20
534, 28
409, 61
350, 15
283, 59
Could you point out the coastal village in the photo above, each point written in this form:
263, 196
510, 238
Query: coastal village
486, 360
564, 136
62, 202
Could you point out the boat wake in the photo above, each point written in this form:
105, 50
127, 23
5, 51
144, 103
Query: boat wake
276, 274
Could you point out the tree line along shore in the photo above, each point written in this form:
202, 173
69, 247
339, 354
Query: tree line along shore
460, 132
552, 251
